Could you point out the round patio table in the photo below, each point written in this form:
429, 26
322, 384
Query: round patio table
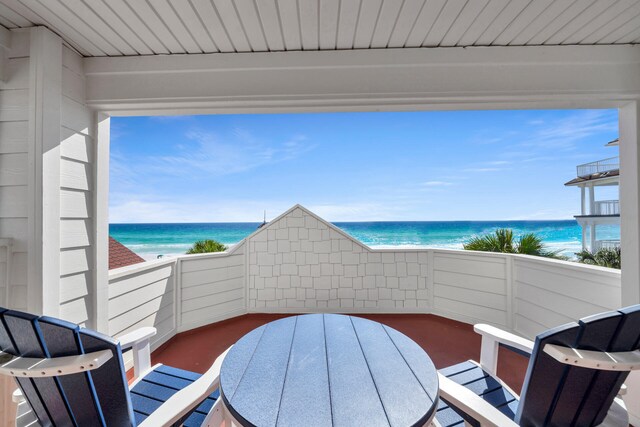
328, 369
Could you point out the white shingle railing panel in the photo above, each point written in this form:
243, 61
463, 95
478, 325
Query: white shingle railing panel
301, 263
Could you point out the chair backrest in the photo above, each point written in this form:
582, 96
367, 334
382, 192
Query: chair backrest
556, 394
98, 397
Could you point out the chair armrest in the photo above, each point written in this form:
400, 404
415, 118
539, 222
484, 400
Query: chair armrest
36, 367
601, 360
492, 337
475, 406
186, 399
140, 342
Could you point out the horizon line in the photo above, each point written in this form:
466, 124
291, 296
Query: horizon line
352, 222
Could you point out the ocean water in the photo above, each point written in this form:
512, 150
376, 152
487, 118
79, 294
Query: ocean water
153, 240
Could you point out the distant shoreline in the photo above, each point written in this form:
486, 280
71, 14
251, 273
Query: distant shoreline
170, 239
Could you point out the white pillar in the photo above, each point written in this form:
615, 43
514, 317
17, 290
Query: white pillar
101, 218
584, 237
630, 230
592, 237
45, 98
630, 202
583, 202
592, 201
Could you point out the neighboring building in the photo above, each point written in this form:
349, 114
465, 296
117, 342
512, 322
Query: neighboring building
120, 255
594, 213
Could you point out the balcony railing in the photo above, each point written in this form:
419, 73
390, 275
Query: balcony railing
606, 244
607, 207
600, 166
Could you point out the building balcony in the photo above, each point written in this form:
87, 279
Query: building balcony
606, 244
598, 167
606, 207
299, 263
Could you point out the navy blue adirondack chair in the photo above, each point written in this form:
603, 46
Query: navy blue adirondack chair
72, 376
574, 375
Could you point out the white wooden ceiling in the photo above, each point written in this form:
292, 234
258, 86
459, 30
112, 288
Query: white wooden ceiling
146, 27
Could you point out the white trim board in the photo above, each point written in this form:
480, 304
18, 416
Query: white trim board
366, 80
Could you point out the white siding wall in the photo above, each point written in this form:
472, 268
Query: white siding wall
143, 295
549, 293
301, 263
471, 287
212, 288
14, 149
76, 198
14, 158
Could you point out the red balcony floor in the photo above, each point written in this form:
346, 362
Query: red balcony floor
446, 341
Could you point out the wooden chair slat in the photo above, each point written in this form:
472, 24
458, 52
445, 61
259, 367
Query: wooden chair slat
24, 330
627, 338
25, 384
596, 333
544, 376
109, 380
63, 340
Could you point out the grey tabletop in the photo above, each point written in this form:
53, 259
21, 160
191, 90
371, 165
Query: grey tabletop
325, 370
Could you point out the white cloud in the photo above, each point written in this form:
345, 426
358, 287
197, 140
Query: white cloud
129, 209
348, 212
437, 184
216, 155
482, 170
565, 133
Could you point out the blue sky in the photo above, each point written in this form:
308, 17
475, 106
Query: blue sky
463, 165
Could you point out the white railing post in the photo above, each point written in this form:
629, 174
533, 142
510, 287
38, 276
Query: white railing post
430, 278
510, 292
177, 283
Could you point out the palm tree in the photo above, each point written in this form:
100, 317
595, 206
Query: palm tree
502, 240
206, 246
604, 257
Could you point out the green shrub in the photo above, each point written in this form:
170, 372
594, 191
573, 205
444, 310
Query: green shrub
603, 257
206, 246
502, 240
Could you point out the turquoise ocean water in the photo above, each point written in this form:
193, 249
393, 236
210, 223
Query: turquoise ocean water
152, 240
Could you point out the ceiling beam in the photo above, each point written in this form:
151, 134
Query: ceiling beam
366, 80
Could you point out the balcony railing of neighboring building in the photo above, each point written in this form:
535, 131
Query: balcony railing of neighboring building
606, 207
600, 166
606, 244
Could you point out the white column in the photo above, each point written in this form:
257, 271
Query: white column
630, 230
592, 237
592, 201
101, 218
583, 202
584, 237
630, 202
45, 97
